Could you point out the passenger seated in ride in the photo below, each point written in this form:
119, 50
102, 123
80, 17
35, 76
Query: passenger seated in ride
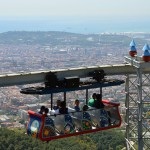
85, 108
86, 114
63, 109
55, 109
42, 110
46, 111
76, 107
99, 105
57, 105
91, 101
98, 102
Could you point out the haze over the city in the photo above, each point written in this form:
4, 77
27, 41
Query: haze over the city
77, 16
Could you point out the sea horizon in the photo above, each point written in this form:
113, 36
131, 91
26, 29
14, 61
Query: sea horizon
91, 26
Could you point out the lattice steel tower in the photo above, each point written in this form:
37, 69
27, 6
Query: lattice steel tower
137, 105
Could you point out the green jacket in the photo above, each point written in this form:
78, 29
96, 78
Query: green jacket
91, 102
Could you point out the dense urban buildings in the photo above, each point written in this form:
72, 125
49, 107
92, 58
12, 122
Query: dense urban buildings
35, 51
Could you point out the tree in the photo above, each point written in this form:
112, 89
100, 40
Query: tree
11, 147
148, 114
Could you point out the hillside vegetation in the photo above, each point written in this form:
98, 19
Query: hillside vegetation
106, 140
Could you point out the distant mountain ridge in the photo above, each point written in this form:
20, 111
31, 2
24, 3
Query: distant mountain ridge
58, 38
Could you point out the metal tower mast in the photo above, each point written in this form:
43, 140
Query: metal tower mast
137, 106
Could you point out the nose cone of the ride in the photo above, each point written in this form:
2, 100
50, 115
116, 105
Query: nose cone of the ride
132, 51
146, 54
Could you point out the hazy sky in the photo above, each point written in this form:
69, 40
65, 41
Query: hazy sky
86, 16
88, 8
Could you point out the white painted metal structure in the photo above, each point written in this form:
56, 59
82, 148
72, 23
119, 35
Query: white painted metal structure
137, 93
137, 106
37, 77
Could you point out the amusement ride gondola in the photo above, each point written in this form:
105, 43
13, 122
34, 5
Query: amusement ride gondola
74, 123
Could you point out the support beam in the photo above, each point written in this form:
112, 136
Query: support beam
38, 77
